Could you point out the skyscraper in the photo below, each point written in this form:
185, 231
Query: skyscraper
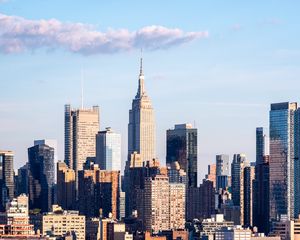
249, 174
108, 150
261, 184
182, 147
41, 177
6, 177
297, 163
237, 182
51, 143
141, 127
81, 127
222, 171
282, 153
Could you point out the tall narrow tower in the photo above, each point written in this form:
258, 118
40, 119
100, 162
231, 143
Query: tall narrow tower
141, 127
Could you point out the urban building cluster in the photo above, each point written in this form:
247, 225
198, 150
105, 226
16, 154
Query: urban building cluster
86, 196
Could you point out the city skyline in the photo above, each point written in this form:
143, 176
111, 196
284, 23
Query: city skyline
188, 84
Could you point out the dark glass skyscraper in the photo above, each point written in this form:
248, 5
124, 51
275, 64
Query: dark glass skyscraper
41, 177
6, 177
182, 147
282, 153
261, 184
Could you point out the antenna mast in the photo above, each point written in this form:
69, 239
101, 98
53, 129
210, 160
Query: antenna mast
81, 89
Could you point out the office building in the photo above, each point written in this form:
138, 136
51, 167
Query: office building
81, 127
261, 184
182, 148
59, 222
282, 154
141, 126
297, 163
22, 180
222, 171
108, 150
210, 225
51, 143
41, 177
286, 229
66, 188
236, 233
7, 186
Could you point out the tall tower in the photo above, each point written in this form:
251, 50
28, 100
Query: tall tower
141, 127
6, 177
261, 183
41, 177
81, 127
182, 147
238, 166
282, 153
108, 150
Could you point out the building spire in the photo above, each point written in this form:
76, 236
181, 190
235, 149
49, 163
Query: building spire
141, 88
141, 63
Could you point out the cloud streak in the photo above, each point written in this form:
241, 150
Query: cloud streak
18, 34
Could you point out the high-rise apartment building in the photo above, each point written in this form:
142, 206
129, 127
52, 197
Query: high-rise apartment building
15, 220
177, 200
182, 147
156, 204
211, 174
282, 156
108, 150
99, 190
141, 127
261, 184
66, 195
237, 185
249, 174
6, 177
41, 177
81, 127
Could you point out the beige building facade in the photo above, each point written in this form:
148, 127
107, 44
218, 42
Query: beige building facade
59, 222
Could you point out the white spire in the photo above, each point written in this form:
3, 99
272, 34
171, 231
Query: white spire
141, 88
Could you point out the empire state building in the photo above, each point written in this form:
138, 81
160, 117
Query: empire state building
141, 127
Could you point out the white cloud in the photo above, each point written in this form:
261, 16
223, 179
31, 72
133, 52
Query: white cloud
18, 34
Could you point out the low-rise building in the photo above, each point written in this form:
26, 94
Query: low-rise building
59, 222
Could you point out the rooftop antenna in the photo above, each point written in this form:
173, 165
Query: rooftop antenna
141, 65
81, 89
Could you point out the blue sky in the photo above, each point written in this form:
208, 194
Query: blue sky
221, 71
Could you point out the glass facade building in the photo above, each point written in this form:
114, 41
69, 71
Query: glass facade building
108, 150
182, 147
261, 183
6, 177
222, 171
282, 116
41, 177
